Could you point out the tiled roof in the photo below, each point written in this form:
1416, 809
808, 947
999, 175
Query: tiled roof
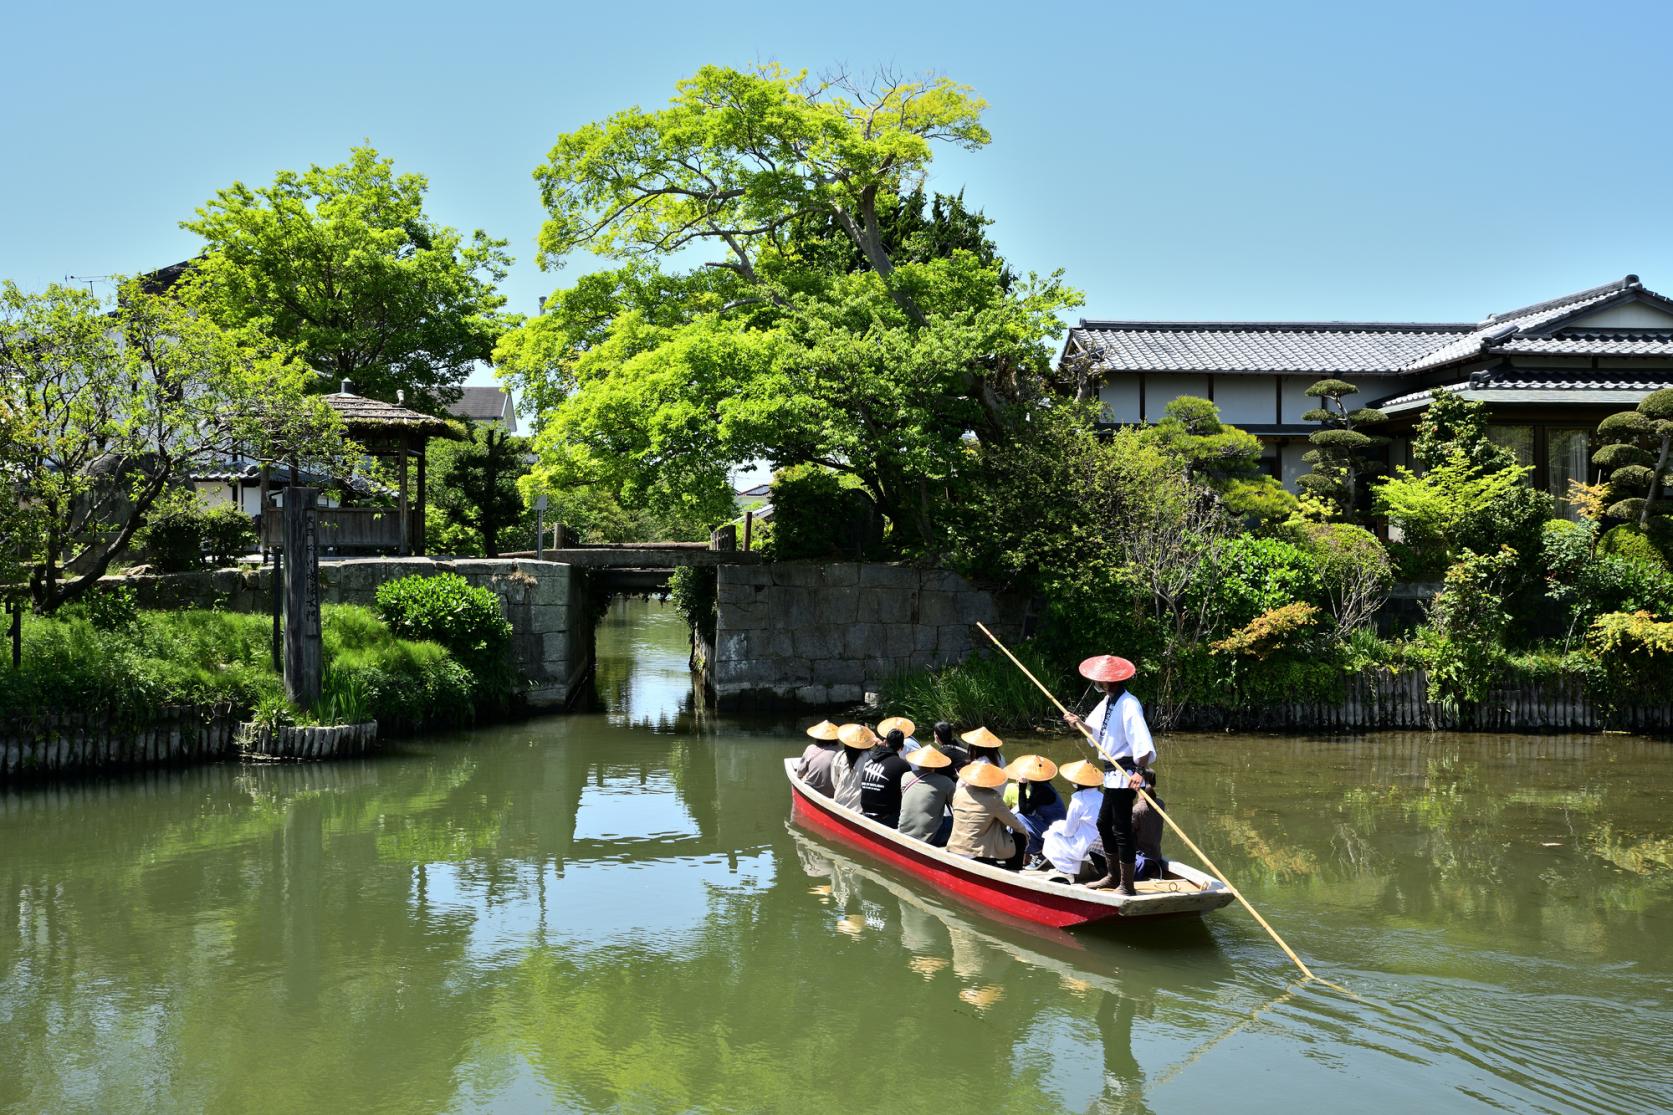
481, 403
1514, 379
1339, 347
1658, 343
1346, 348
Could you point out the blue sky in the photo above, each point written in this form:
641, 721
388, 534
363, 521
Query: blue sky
1340, 160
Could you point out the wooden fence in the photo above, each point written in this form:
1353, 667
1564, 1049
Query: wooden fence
66, 742
1382, 699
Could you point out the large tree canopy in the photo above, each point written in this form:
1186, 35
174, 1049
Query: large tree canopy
343, 266
843, 317
110, 407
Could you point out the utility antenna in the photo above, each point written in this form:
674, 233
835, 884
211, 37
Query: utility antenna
89, 280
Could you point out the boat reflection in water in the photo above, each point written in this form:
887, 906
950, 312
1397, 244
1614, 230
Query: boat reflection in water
978, 960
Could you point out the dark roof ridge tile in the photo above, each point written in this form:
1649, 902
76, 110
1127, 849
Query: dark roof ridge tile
1280, 326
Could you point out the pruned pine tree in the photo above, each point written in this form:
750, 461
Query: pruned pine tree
1340, 457
1636, 452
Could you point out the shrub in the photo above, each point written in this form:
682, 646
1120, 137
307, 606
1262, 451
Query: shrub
1354, 571
1635, 651
1270, 632
1250, 575
983, 689
1629, 540
817, 513
228, 533
172, 538
692, 591
466, 620
1462, 644
404, 684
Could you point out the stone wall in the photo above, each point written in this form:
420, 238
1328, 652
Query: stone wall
545, 601
803, 633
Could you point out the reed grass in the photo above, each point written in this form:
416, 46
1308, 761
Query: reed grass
983, 689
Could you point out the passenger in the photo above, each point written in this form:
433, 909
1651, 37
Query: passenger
856, 739
880, 777
906, 729
948, 745
925, 795
1037, 803
815, 765
1072, 844
984, 746
1124, 740
1150, 863
983, 829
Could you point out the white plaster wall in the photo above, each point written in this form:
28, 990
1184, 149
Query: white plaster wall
1296, 402
1290, 464
1371, 388
212, 493
1246, 400
1162, 388
1628, 315
1121, 399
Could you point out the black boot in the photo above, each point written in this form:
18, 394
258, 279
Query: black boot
1128, 870
1106, 883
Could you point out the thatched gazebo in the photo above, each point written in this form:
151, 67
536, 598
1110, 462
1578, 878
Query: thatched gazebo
387, 431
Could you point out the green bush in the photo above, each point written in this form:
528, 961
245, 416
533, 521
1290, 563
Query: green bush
1588, 584
401, 683
819, 514
1355, 573
1462, 645
692, 592
1251, 575
180, 532
466, 620
228, 533
1628, 540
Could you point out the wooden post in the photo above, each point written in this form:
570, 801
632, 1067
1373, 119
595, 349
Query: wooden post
749, 528
423, 539
16, 608
278, 595
303, 652
262, 511
401, 497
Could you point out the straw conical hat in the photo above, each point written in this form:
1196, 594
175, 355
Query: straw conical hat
985, 775
1032, 768
981, 737
857, 736
927, 757
1082, 773
823, 730
906, 726
1107, 667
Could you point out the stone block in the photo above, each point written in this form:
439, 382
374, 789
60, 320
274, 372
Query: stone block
841, 574
813, 694
898, 640
839, 671
554, 646
752, 575
778, 644
541, 618
937, 608
733, 647
953, 643
944, 580
795, 574
924, 639
551, 585
839, 605
881, 605
873, 574
818, 641
792, 671
847, 693
863, 640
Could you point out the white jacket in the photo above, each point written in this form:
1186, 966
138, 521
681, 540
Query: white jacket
1068, 841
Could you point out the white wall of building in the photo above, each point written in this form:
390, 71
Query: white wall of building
1162, 388
1246, 400
1121, 399
1628, 315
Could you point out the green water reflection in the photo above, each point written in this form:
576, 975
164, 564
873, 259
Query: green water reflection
608, 911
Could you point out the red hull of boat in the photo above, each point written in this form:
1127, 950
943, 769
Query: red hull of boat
1060, 911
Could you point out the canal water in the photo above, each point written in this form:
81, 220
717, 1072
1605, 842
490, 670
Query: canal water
607, 911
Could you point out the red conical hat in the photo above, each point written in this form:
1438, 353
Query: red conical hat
1107, 667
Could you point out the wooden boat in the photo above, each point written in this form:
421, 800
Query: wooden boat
1037, 897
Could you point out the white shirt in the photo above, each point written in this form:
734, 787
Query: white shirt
1067, 842
1124, 735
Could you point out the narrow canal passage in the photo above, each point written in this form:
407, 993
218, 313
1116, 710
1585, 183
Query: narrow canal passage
607, 911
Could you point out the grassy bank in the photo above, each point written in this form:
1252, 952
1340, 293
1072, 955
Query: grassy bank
130, 666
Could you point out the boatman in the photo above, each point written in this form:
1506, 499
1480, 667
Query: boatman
1118, 726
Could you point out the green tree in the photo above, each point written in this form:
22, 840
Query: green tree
840, 324
113, 405
1340, 455
344, 267
1225, 457
476, 484
1636, 451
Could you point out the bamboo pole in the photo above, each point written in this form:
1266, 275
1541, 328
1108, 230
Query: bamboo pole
1179, 832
